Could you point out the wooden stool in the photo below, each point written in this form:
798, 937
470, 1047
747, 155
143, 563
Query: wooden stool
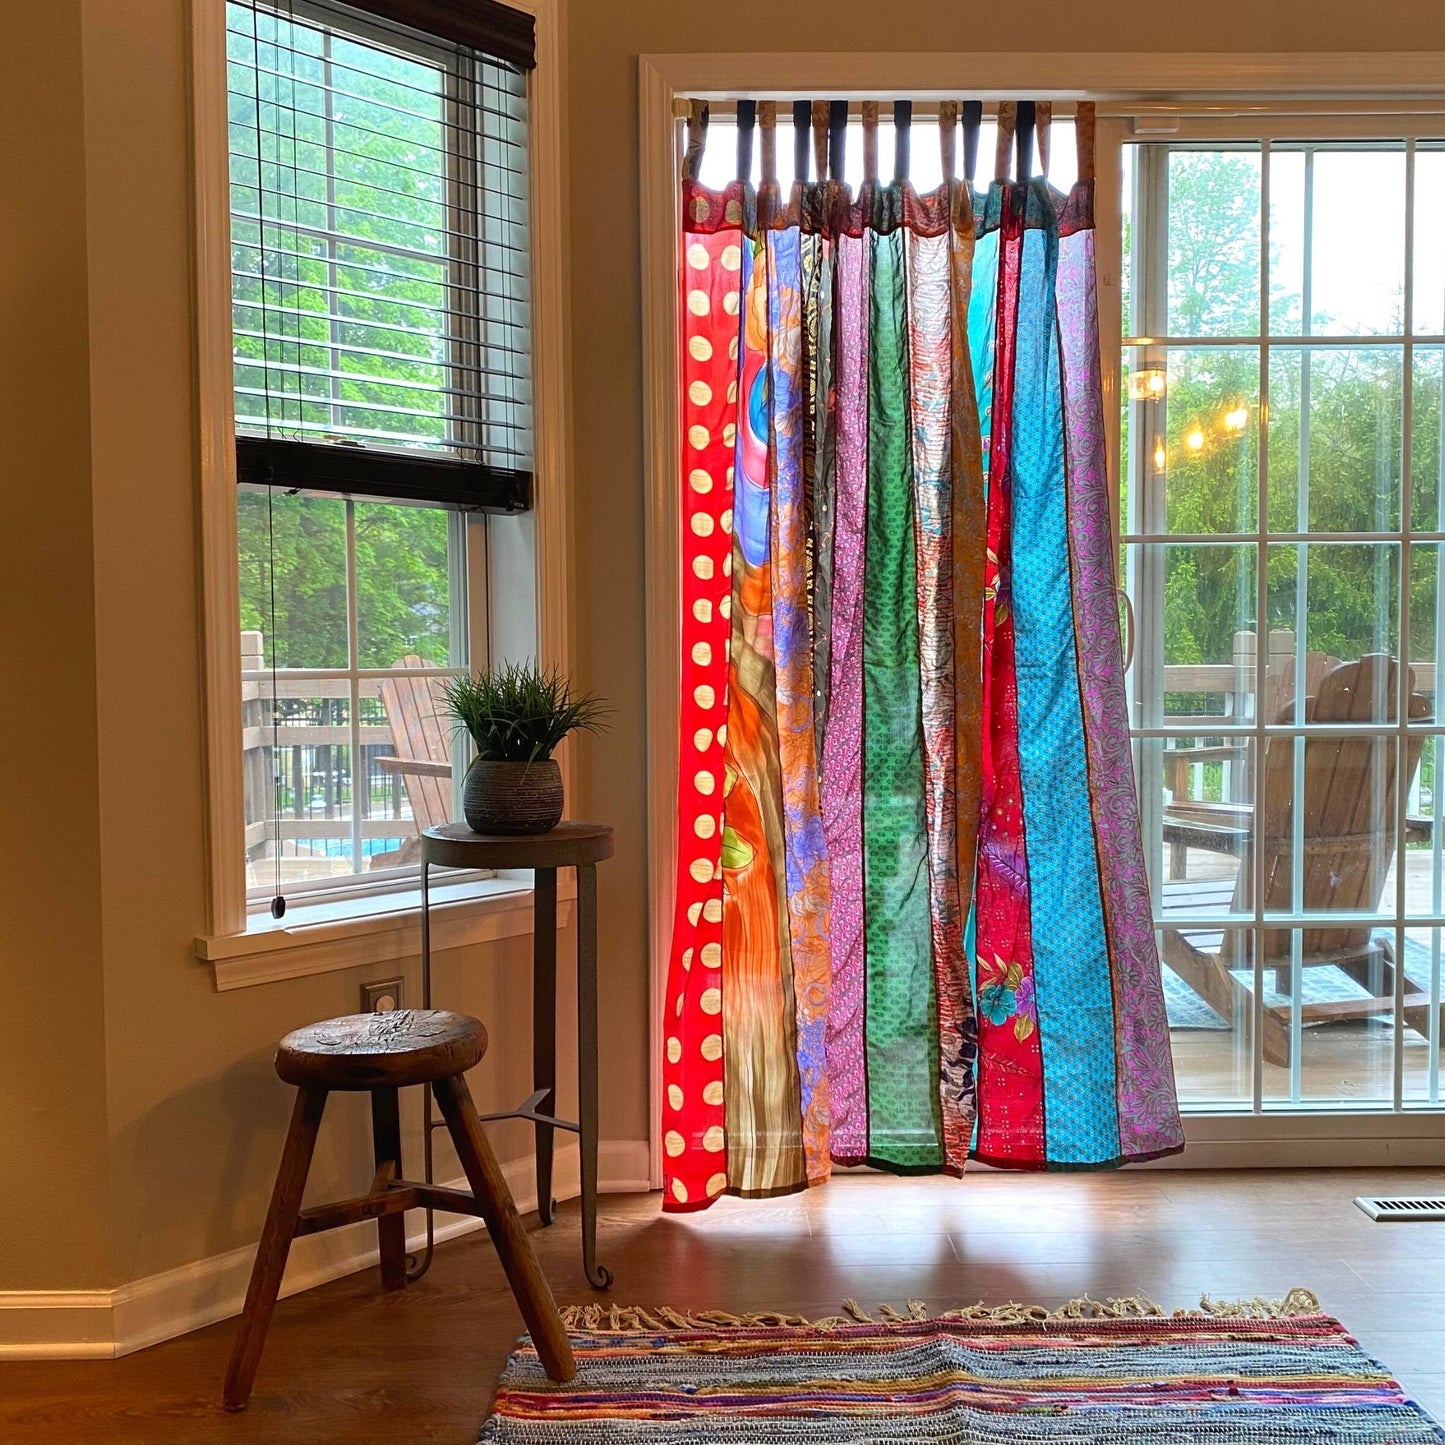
379, 1054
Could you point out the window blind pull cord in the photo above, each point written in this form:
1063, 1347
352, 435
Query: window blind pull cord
278, 903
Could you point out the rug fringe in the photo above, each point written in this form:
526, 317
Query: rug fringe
661, 1319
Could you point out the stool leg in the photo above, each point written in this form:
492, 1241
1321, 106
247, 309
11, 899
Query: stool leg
386, 1149
275, 1246
524, 1274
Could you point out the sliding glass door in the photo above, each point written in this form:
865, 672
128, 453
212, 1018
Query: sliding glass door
1283, 516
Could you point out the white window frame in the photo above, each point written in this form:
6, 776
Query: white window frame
366, 926
1136, 93
467, 541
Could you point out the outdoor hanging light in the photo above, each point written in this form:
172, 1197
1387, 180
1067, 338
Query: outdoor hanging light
1148, 383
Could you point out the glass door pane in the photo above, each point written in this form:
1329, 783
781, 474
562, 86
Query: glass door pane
1287, 628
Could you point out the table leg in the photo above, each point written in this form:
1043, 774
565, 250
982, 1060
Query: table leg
599, 1276
544, 1026
423, 1264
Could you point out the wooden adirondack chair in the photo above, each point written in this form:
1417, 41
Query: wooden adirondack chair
1349, 824
1279, 687
423, 758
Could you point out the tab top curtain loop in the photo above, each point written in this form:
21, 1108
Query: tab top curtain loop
972, 126
1007, 119
837, 138
821, 139
697, 116
768, 146
1024, 140
1084, 138
870, 140
747, 121
902, 127
802, 118
1022, 126
947, 126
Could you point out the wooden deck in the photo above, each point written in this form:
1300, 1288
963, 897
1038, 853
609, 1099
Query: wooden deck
1347, 1063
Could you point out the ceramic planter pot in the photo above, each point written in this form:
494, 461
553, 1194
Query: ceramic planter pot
513, 797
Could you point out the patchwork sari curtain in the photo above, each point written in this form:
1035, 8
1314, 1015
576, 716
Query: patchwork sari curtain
912, 921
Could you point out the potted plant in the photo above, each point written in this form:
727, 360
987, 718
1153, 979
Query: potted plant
516, 715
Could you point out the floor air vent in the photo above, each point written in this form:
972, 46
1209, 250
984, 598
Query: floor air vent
1388, 1209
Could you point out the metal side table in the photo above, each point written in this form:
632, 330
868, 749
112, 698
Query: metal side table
569, 845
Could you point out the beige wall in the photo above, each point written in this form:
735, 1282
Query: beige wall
142, 1097
145, 1100
52, 1063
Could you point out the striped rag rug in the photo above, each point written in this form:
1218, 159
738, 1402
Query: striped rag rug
1253, 1373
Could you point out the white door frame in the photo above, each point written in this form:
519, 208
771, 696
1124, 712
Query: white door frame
1128, 88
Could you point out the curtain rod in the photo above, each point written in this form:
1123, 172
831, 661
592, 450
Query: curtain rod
1128, 110
921, 108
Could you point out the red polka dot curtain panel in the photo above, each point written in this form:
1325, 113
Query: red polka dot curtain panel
912, 920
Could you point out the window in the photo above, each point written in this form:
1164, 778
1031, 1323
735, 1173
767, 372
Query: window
1283, 365
381, 329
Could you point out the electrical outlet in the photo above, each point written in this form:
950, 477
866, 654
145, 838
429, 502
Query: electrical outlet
383, 997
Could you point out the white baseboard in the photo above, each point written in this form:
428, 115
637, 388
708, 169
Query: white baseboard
1307, 1140
56, 1324
102, 1324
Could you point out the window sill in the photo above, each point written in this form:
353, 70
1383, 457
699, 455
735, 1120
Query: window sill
380, 928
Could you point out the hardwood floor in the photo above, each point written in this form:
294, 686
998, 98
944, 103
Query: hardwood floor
346, 1363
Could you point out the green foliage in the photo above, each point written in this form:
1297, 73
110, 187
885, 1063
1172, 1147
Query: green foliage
402, 590
1213, 283
516, 713
1354, 401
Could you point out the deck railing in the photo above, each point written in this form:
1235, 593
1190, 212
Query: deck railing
1235, 683
319, 790
311, 785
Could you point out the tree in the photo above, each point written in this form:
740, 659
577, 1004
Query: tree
1353, 399
402, 587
